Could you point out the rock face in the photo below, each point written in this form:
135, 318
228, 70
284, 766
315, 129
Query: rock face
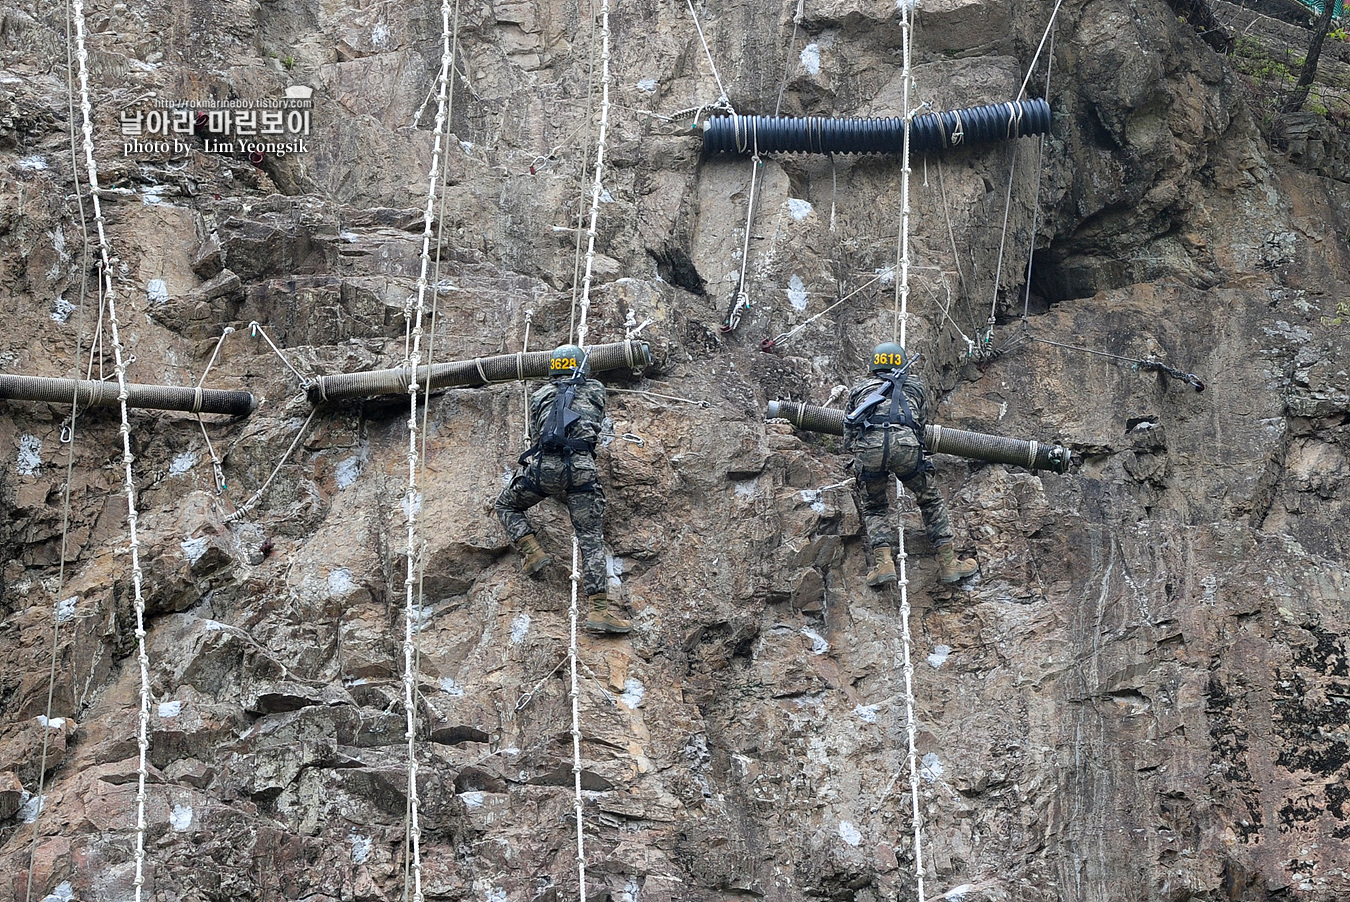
1143, 697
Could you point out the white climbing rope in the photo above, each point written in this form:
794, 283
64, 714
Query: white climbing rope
740, 301
412, 501
257, 496
578, 802
1040, 169
902, 245
782, 339
901, 322
907, 665
70, 466
1002, 244
581, 176
1012, 173
1032, 68
598, 187
105, 265
722, 99
217, 469
525, 386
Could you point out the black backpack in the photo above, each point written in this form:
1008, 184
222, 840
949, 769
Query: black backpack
553, 432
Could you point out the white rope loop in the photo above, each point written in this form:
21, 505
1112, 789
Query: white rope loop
597, 188
129, 483
411, 499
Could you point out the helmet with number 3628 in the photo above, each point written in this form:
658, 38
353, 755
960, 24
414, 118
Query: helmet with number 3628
567, 360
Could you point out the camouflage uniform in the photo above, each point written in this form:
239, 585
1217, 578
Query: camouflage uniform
873, 463
569, 476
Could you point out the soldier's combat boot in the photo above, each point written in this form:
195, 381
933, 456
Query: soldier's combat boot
602, 619
884, 572
952, 569
535, 558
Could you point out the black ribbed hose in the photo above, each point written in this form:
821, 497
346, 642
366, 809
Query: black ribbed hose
939, 439
634, 355
928, 133
104, 394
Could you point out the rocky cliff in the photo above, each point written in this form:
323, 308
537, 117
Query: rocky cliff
1143, 697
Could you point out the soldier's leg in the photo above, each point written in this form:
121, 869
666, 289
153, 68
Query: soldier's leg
875, 506
936, 523
587, 507
519, 496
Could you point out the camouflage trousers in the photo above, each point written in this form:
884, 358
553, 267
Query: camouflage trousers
874, 468
574, 481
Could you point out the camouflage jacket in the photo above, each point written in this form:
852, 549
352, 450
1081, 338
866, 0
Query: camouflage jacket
589, 402
915, 393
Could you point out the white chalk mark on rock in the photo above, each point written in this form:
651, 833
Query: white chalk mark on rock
811, 58
818, 644
182, 463
849, 833
520, 628
633, 691
30, 454
181, 817
939, 656
157, 292
195, 548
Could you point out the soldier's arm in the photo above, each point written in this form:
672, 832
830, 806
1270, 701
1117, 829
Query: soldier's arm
600, 395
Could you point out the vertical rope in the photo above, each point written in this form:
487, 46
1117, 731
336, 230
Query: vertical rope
722, 99
910, 728
902, 248
581, 178
411, 499
70, 461
1040, 171
1002, 244
576, 726
525, 386
105, 264
597, 187
901, 323
741, 300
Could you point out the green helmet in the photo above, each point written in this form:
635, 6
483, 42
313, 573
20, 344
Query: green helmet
887, 356
568, 360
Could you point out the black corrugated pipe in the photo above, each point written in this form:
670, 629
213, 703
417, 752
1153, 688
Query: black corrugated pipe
104, 394
633, 355
929, 132
940, 439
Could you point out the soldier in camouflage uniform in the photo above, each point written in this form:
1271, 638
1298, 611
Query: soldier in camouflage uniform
565, 421
883, 428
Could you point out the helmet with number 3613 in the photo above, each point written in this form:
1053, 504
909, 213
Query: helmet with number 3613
887, 356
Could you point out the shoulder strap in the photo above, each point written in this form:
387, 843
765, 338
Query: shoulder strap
865, 415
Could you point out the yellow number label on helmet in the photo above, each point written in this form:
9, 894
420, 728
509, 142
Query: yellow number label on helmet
887, 360
562, 363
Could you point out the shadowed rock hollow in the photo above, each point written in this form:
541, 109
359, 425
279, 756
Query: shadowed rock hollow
1144, 696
